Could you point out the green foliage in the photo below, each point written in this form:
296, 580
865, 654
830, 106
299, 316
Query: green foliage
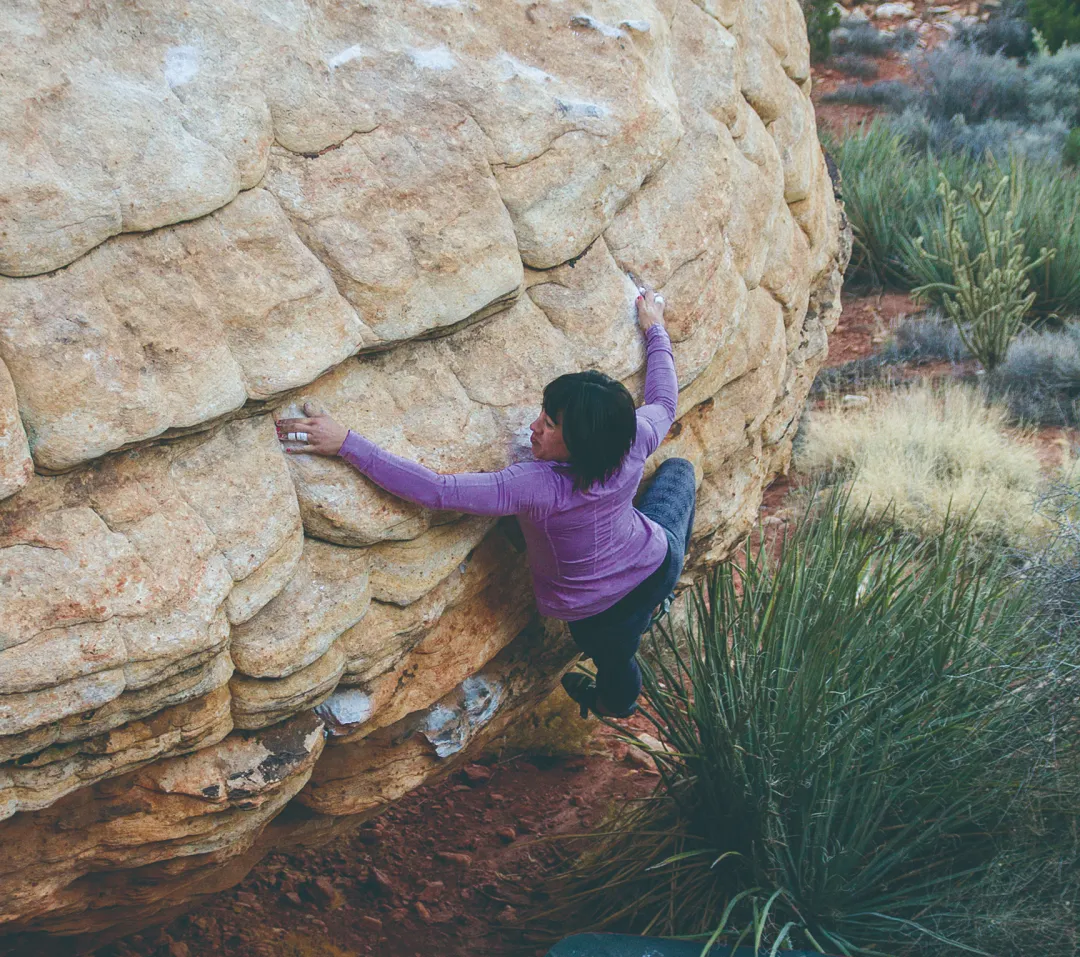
1058, 21
883, 196
968, 99
1070, 152
553, 729
988, 296
821, 18
890, 195
862, 759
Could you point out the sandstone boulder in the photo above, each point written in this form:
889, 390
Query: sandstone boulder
414, 216
117, 587
186, 810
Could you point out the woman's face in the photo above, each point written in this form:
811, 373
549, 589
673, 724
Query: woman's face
547, 440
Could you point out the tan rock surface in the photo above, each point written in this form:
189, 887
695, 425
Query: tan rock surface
16, 466
328, 594
489, 611
169, 330
116, 582
423, 240
54, 772
414, 216
359, 775
213, 802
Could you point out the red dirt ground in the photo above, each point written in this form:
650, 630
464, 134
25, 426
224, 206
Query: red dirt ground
447, 871
865, 323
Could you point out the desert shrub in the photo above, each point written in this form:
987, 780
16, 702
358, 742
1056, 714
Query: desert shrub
857, 65
1055, 87
917, 456
553, 728
884, 94
927, 337
861, 38
1039, 381
1054, 571
970, 102
874, 372
1070, 152
1006, 32
821, 18
861, 759
999, 139
987, 297
1047, 207
1057, 20
905, 38
962, 82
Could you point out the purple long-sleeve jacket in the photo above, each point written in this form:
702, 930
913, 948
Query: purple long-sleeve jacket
586, 549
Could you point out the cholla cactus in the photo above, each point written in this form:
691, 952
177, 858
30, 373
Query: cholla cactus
988, 297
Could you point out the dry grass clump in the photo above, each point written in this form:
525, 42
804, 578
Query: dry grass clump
553, 728
919, 455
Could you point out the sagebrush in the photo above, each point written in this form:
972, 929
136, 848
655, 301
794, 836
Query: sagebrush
1039, 381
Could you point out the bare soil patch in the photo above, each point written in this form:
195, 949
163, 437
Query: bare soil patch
450, 870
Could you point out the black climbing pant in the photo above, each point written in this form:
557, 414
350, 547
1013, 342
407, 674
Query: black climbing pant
611, 637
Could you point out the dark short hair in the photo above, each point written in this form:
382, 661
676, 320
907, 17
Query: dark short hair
598, 422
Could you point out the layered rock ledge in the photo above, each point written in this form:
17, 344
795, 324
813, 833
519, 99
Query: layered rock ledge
415, 216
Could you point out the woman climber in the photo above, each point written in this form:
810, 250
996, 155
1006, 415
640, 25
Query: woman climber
597, 562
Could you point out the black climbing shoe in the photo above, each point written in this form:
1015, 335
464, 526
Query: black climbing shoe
583, 690
662, 609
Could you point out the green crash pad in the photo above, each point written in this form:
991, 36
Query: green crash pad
621, 945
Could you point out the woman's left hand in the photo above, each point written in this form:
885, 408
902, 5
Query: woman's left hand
316, 434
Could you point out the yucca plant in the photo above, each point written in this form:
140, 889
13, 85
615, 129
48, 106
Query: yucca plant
859, 759
890, 196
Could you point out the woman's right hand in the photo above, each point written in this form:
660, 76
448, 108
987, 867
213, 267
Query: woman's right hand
650, 309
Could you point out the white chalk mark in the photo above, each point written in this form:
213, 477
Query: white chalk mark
181, 65
437, 58
355, 52
604, 29
513, 68
345, 709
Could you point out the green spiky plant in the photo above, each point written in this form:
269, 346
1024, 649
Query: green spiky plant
988, 296
860, 758
890, 198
